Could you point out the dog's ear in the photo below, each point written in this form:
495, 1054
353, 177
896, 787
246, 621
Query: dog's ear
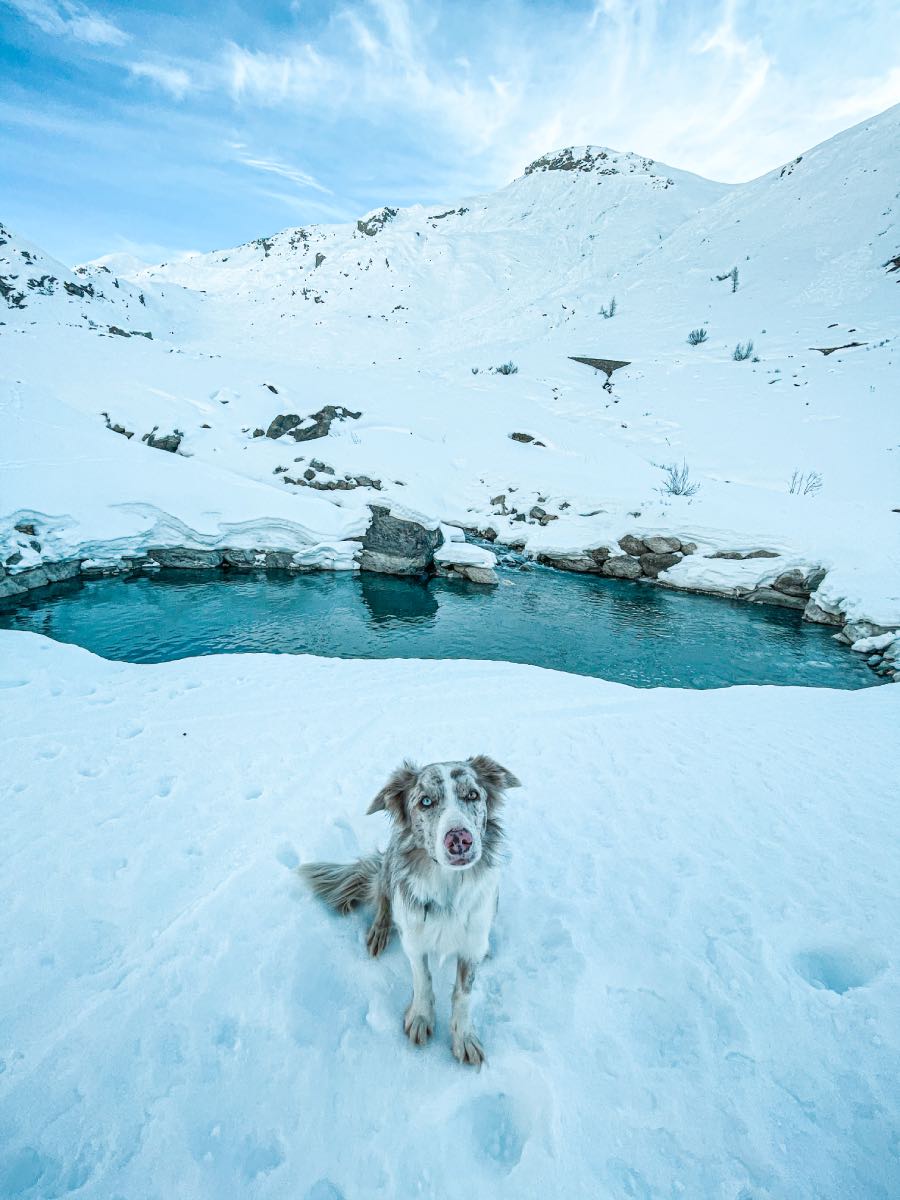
392, 797
491, 774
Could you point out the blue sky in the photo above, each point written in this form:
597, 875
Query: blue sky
159, 127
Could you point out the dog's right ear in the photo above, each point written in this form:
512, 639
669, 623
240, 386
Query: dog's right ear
392, 797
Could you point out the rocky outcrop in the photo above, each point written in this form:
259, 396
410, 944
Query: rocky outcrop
376, 222
294, 425
396, 545
167, 441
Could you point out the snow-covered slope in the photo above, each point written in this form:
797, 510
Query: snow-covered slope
693, 988
402, 316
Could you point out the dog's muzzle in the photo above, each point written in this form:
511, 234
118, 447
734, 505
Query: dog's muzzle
458, 843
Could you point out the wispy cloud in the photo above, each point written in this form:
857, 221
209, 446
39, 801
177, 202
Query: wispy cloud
67, 18
285, 170
174, 80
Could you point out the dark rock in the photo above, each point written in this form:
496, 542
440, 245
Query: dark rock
799, 583
168, 441
622, 567
376, 222
183, 559
25, 527
653, 564
740, 555
633, 545
688, 547
522, 437
15, 557
320, 258
536, 513
768, 595
599, 554
282, 425
309, 473
581, 563
256, 432
397, 546
820, 616
322, 421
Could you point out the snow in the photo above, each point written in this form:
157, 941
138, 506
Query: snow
462, 554
404, 318
693, 989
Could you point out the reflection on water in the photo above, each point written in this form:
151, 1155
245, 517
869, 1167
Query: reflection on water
614, 629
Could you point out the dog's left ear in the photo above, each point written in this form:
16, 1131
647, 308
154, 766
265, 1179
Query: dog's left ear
393, 795
491, 774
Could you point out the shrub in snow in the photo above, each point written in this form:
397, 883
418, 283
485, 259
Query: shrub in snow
734, 279
741, 351
806, 483
678, 481
696, 336
507, 368
608, 310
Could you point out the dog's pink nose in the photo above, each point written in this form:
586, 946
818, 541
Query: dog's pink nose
458, 841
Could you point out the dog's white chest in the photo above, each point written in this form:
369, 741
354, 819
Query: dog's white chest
455, 920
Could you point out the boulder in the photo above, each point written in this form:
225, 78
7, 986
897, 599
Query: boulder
622, 566
821, 616
536, 513
740, 555
653, 564
168, 441
282, 424
582, 563
394, 545
799, 583
662, 545
181, 558
769, 595
27, 528
599, 554
688, 547
633, 545
486, 576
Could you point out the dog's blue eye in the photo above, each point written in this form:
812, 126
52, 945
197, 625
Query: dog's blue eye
426, 802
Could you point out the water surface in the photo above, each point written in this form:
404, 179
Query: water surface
614, 629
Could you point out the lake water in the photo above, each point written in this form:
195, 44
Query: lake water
630, 633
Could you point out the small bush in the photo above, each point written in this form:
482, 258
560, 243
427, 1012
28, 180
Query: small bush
806, 483
507, 368
678, 481
474, 370
696, 336
608, 310
734, 279
742, 351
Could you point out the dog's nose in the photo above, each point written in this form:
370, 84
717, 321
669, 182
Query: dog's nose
458, 841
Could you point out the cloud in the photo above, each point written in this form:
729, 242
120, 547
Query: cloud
67, 18
174, 80
294, 174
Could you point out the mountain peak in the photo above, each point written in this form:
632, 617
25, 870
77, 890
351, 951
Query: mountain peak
599, 159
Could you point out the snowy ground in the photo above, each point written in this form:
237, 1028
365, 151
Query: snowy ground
694, 987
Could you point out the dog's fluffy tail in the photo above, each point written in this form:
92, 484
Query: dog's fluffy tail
344, 885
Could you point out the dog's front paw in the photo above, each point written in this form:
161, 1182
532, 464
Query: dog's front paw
467, 1048
419, 1026
377, 938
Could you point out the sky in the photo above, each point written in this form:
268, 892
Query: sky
156, 128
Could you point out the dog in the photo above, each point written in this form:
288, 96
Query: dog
437, 882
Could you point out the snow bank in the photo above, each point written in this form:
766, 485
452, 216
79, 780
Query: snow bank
694, 987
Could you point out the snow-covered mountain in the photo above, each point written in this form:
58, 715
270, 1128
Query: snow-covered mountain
404, 316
